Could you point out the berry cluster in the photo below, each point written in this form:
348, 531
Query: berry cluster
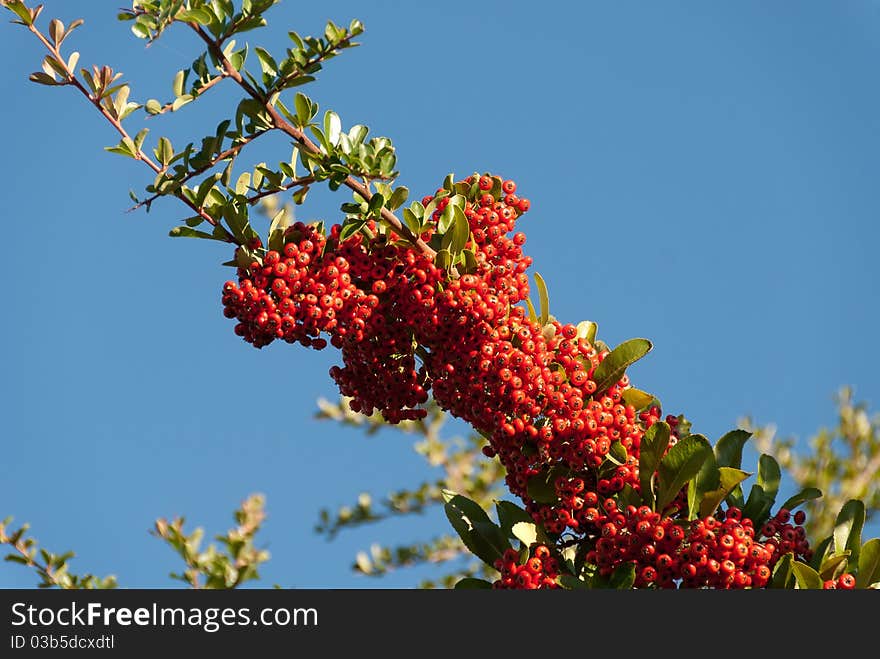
539, 571
409, 325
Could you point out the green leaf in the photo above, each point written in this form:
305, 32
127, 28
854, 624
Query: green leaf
757, 506
637, 398
728, 449
541, 487
622, 578
483, 538
177, 84
807, 494
586, 329
443, 259
571, 582
267, 62
728, 453
472, 583
525, 532
782, 571
543, 299
821, 551
848, 528
332, 127
833, 566
164, 152
533, 316
806, 577
769, 475
509, 514
612, 368
617, 453
457, 236
729, 478
653, 444
21, 11
186, 232
679, 465
199, 15
398, 197
869, 563
180, 101
43, 78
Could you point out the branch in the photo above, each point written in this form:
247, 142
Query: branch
220, 157
117, 124
198, 92
283, 125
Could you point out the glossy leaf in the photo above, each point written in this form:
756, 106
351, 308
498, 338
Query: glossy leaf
525, 532
782, 571
729, 478
586, 329
653, 444
848, 528
869, 563
637, 398
769, 475
543, 299
615, 364
541, 487
807, 494
571, 582
728, 449
679, 465
472, 583
833, 566
806, 577
186, 232
483, 538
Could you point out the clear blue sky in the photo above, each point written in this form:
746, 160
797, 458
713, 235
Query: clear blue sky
701, 174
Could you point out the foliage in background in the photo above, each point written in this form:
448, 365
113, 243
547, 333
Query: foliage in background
464, 469
843, 462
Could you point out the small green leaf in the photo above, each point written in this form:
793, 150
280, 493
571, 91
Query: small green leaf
571, 582
782, 571
186, 232
833, 566
21, 11
653, 444
398, 197
42, 78
586, 329
541, 487
728, 449
612, 368
869, 563
479, 534
472, 583
533, 316
637, 398
177, 84
806, 577
525, 532
848, 528
769, 475
807, 494
757, 506
153, 106
332, 127
679, 465
543, 299
729, 478
443, 259
199, 15
180, 101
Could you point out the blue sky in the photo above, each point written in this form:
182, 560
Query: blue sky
701, 174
